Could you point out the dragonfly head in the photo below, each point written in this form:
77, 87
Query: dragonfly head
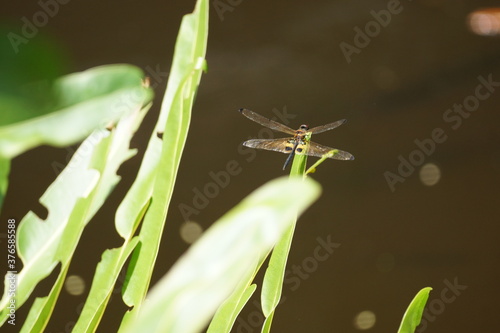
304, 127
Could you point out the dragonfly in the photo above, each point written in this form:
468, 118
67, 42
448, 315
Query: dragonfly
296, 144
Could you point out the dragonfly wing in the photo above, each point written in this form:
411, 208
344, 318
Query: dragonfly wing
327, 127
274, 125
279, 145
315, 149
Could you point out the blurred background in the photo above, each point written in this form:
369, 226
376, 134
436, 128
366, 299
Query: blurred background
418, 81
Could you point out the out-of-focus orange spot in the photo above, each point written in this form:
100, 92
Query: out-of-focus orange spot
485, 22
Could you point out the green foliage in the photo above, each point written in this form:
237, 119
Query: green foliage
216, 274
67, 111
73, 106
413, 315
75, 196
273, 280
227, 313
185, 299
272, 286
158, 171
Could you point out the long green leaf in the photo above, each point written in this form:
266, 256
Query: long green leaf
71, 200
68, 111
106, 275
275, 273
222, 322
266, 327
42, 307
227, 313
185, 299
413, 315
161, 161
103, 284
77, 104
106, 159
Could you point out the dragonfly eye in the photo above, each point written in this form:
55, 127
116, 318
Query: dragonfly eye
304, 127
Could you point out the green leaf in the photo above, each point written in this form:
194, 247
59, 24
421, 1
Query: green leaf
103, 284
227, 313
43, 306
42, 59
273, 279
323, 158
72, 107
161, 161
71, 200
299, 165
266, 327
413, 315
185, 299
4, 178
275, 273
107, 272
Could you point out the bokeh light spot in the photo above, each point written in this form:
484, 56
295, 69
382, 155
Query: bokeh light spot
190, 232
74, 285
430, 174
485, 22
364, 320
